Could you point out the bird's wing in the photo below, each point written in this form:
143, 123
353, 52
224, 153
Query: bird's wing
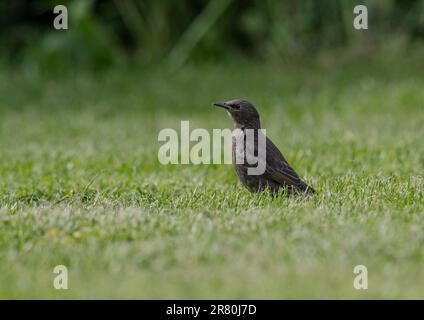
278, 169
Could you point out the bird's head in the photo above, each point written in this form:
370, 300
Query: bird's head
243, 113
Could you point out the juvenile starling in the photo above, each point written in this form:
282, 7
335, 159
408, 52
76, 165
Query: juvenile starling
277, 174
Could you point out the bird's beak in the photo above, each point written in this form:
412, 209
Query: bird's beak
221, 104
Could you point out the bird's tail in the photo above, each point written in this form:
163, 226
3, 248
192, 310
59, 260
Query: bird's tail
304, 188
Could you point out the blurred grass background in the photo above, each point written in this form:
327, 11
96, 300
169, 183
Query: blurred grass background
105, 33
80, 183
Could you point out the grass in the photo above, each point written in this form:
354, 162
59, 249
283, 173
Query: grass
80, 184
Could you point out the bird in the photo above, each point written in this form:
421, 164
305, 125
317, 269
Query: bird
278, 175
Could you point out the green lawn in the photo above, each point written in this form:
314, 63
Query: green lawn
81, 185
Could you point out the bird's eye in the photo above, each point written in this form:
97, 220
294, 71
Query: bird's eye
235, 106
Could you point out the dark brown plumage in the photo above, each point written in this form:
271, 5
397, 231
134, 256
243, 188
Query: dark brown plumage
278, 174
